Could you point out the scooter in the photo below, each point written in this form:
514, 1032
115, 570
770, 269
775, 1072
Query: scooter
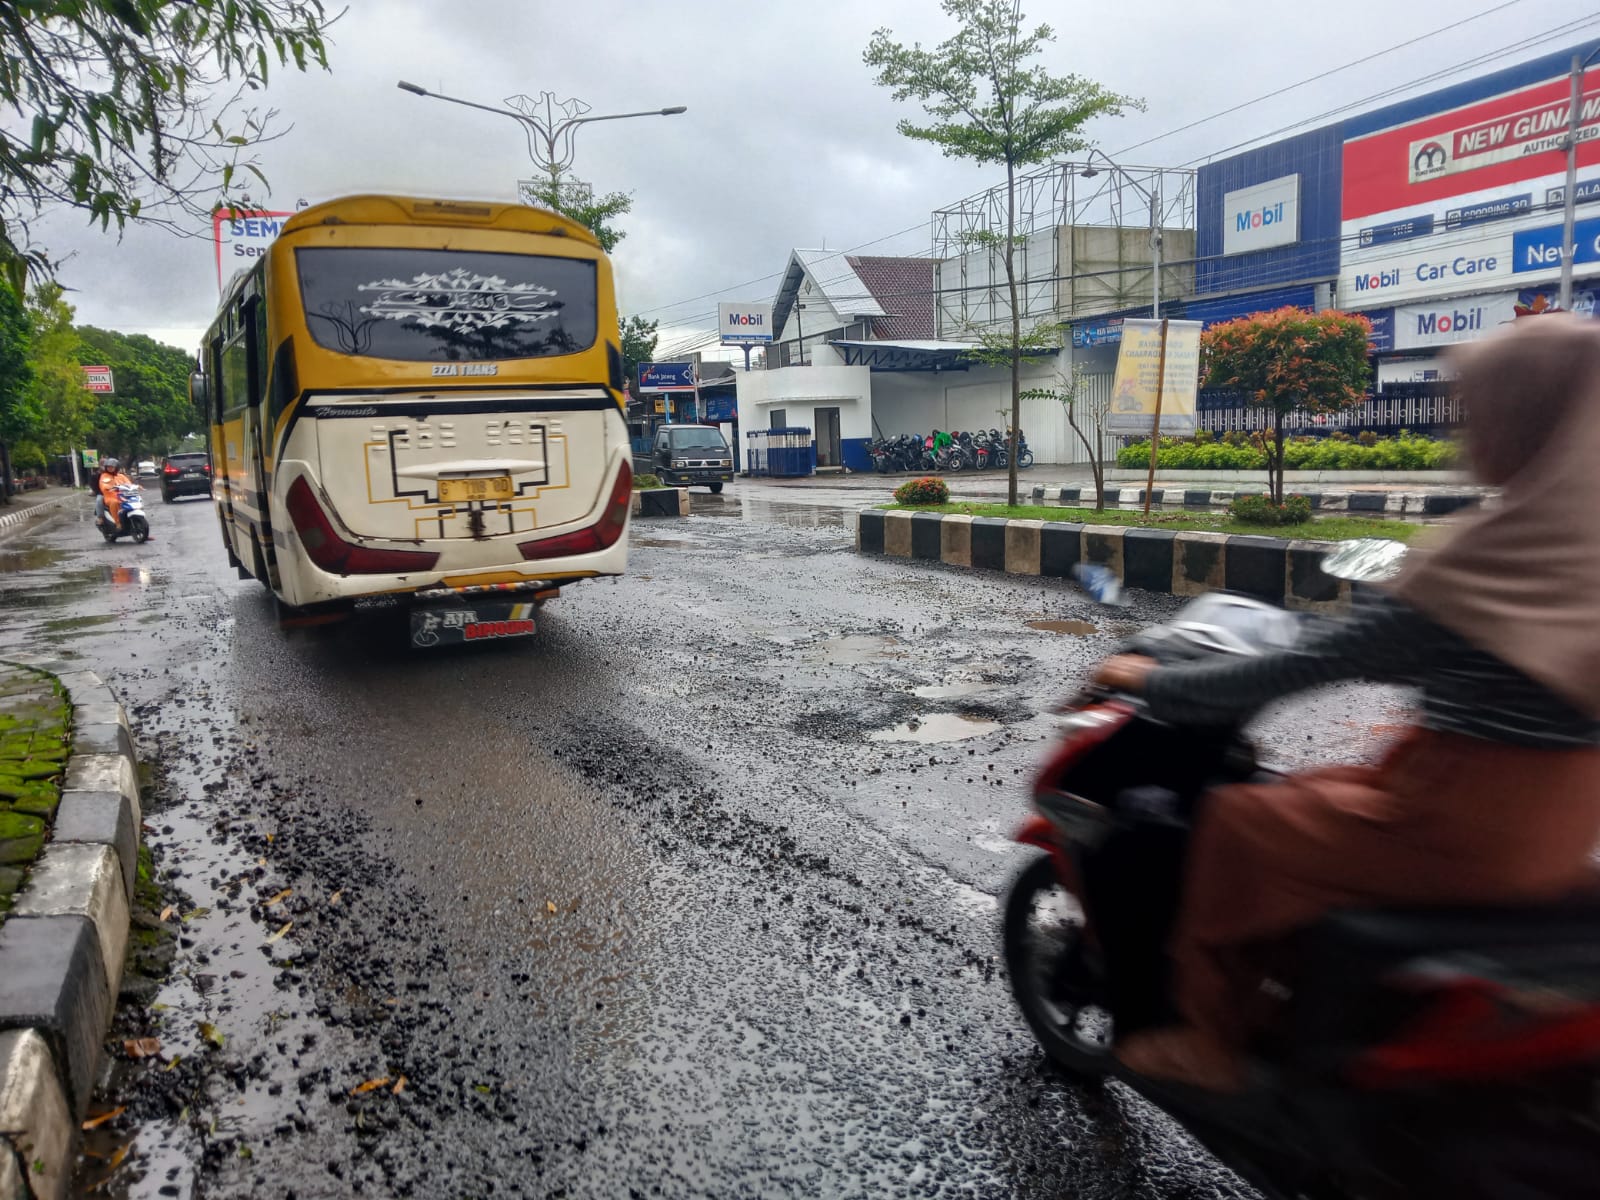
131, 519
1415, 1053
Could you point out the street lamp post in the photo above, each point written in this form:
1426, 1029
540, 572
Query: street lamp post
550, 133
1154, 197
1569, 216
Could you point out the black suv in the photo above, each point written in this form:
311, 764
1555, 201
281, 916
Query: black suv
185, 475
687, 454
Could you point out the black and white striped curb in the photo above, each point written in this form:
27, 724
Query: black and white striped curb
63, 943
1433, 504
10, 521
1156, 560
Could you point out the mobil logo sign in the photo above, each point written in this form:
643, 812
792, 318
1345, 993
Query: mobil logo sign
745, 324
1417, 326
1261, 216
1375, 281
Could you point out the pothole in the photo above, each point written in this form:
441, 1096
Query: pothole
935, 727
1080, 628
855, 648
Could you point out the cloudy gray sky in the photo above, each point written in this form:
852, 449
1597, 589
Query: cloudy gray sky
787, 142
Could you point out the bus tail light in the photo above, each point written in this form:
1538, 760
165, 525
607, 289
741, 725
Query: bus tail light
602, 534
333, 554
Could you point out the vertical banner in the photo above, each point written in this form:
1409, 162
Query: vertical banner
1146, 370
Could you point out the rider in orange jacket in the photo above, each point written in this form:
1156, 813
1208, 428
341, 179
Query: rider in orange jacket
110, 477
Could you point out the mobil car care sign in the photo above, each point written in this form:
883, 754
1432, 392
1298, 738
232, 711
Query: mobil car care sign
241, 236
1261, 216
1450, 194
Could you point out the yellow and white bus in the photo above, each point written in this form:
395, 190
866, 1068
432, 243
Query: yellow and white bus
420, 402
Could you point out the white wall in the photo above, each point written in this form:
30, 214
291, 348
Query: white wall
978, 398
818, 318
799, 391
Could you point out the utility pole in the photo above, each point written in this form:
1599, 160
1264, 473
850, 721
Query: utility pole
1569, 206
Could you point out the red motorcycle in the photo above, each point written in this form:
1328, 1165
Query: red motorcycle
1417, 1053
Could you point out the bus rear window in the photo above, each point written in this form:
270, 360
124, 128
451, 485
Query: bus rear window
446, 305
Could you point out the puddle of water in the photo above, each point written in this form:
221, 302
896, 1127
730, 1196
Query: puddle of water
30, 560
660, 543
948, 691
788, 635
1081, 628
68, 624
856, 648
935, 727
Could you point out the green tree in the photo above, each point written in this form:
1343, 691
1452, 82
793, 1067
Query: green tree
17, 416
1290, 361
639, 339
59, 399
1086, 415
578, 201
149, 413
990, 103
133, 110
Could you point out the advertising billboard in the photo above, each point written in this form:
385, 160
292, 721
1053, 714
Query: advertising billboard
1262, 216
97, 379
745, 324
1461, 192
242, 236
1146, 368
666, 377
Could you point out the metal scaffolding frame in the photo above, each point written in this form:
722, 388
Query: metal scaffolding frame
967, 254
1060, 195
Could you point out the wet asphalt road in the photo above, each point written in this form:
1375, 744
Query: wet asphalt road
655, 904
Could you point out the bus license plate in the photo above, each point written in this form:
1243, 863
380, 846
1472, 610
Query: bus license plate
455, 624
461, 491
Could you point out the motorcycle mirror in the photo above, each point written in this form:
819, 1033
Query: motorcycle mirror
1365, 560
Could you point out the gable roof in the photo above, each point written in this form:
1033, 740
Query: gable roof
903, 287
833, 277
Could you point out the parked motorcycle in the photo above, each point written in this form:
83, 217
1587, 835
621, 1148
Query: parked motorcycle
967, 444
1415, 1052
908, 451
131, 520
1024, 455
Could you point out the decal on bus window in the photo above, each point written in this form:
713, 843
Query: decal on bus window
447, 306
460, 300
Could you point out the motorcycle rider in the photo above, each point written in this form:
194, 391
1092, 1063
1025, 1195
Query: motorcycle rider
1493, 794
108, 501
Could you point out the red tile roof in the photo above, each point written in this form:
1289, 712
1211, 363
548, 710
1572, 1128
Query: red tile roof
904, 287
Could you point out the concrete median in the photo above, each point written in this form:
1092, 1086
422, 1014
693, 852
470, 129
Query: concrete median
1153, 560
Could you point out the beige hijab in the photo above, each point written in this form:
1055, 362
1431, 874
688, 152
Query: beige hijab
1522, 581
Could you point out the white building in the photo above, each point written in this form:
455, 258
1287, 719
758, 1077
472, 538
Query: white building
870, 347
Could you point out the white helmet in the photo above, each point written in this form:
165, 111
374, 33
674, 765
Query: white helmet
110, 464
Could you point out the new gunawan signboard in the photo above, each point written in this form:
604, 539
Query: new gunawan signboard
1450, 194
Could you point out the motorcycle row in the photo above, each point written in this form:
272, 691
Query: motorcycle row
955, 451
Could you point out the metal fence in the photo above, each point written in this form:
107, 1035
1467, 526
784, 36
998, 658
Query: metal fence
1418, 407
